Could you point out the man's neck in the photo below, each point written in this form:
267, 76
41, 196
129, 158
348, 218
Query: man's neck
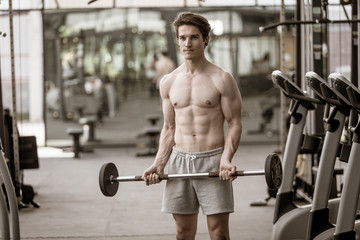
193, 66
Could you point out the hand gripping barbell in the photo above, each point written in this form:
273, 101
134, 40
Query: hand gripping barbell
109, 177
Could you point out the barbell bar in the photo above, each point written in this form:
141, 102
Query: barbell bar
109, 176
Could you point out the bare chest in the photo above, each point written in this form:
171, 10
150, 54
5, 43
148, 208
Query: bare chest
199, 92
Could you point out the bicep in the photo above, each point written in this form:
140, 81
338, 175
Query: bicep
168, 112
231, 102
167, 107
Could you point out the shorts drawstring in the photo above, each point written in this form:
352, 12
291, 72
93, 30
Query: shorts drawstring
189, 157
190, 161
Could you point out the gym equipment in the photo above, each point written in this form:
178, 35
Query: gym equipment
109, 177
12, 201
293, 224
89, 124
75, 133
152, 132
5, 173
28, 152
334, 117
317, 21
262, 203
346, 226
301, 103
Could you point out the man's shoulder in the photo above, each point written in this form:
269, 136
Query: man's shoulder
174, 73
221, 78
219, 73
169, 78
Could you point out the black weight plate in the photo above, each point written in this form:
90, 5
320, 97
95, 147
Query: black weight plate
273, 171
107, 187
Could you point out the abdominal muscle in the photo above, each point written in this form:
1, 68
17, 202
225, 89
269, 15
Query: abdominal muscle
199, 129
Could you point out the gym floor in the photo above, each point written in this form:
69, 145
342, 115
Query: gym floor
72, 206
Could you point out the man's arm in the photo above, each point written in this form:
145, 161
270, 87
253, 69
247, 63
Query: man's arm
231, 105
166, 141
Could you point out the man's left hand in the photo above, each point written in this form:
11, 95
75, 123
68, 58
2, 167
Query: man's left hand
227, 171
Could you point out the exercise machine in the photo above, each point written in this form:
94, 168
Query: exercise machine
347, 226
12, 202
334, 118
294, 223
300, 104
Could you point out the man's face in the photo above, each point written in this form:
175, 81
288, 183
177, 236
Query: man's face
191, 42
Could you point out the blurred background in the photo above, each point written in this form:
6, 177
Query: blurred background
93, 58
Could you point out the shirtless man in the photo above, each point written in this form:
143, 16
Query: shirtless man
197, 98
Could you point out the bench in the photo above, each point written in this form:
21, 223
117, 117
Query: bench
153, 118
75, 132
90, 124
152, 132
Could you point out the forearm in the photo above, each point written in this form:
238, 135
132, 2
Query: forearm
232, 140
166, 142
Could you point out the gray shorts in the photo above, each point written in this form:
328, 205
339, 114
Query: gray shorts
184, 196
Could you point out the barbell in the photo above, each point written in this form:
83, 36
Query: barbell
109, 176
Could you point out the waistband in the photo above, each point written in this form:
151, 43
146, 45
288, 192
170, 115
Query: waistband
209, 153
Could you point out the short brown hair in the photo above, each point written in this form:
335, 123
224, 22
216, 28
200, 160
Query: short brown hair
188, 18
